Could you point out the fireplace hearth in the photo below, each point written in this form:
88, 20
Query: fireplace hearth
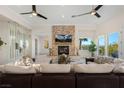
63, 50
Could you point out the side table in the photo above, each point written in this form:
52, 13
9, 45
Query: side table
87, 59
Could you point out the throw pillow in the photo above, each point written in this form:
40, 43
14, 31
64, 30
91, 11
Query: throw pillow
93, 68
19, 69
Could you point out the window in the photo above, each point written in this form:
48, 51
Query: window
113, 44
101, 45
19, 40
84, 43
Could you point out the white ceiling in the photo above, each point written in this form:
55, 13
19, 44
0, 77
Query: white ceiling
54, 14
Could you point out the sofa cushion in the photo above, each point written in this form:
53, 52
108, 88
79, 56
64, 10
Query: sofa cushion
108, 60
37, 67
90, 62
56, 68
99, 59
103, 60
119, 68
118, 61
2, 68
19, 69
93, 68
19, 63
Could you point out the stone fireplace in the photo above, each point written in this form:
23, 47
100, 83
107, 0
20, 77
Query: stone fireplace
60, 47
63, 50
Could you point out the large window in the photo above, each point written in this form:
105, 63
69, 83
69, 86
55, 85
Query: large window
84, 43
113, 44
19, 40
101, 47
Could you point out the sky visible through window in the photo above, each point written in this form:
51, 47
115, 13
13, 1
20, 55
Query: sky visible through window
86, 42
101, 41
113, 38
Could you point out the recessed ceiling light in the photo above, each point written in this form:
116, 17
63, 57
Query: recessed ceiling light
63, 16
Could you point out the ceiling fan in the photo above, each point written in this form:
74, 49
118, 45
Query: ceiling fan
92, 12
34, 12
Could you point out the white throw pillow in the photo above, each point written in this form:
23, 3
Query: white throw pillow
29, 61
19, 69
119, 69
93, 68
118, 61
56, 68
19, 63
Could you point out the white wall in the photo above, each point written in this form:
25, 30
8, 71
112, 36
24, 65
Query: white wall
115, 24
9, 13
41, 33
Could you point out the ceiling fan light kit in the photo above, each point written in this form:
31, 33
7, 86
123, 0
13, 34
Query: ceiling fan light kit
34, 13
92, 12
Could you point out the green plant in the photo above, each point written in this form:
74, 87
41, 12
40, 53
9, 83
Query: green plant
92, 48
1, 42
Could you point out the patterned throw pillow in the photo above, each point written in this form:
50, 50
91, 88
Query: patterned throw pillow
103, 60
29, 61
25, 61
109, 60
19, 63
99, 60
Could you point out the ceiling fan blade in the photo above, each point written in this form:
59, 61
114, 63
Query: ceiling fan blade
34, 8
39, 15
26, 13
81, 14
98, 7
97, 15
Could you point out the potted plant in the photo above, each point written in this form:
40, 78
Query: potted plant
92, 48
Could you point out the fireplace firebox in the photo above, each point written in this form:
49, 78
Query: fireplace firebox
63, 50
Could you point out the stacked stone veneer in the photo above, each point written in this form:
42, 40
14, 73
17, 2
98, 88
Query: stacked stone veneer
62, 29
